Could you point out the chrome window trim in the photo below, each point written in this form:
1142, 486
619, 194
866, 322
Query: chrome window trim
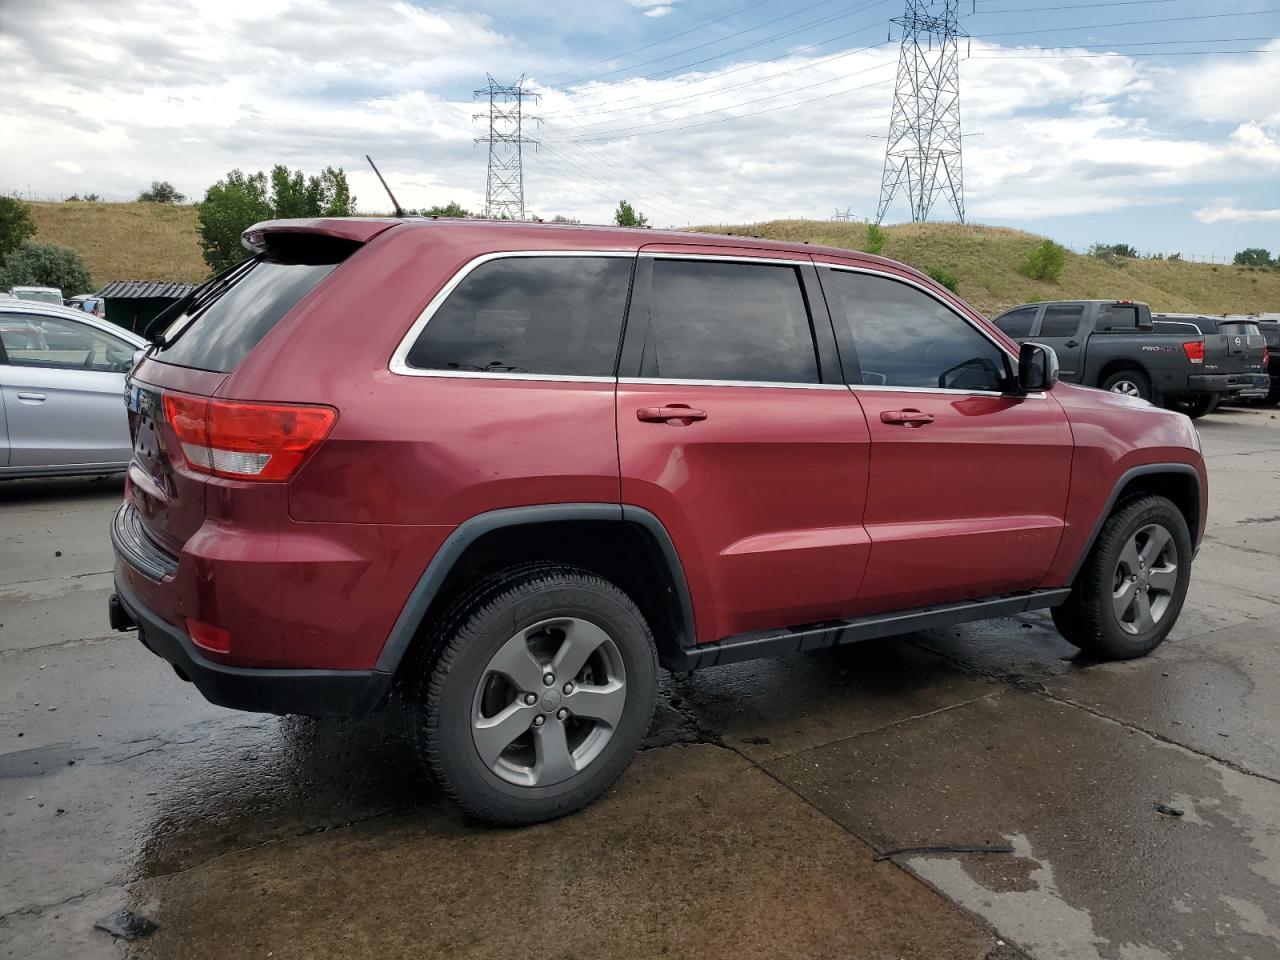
725, 258
670, 381
399, 363
945, 391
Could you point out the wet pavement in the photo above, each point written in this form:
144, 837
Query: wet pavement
748, 827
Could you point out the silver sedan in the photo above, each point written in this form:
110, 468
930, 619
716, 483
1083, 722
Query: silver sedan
62, 375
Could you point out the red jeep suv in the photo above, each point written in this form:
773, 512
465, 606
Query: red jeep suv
501, 471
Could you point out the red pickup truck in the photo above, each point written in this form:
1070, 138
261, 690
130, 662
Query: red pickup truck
498, 472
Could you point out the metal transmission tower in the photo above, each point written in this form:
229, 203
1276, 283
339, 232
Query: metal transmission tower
923, 152
504, 192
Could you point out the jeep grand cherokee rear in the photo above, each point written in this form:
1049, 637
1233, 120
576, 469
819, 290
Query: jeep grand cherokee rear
498, 472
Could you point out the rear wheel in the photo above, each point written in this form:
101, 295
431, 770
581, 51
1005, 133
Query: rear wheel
1128, 596
1132, 383
542, 691
1271, 399
1195, 405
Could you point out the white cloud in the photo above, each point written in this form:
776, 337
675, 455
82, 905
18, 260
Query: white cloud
659, 11
1234, 215
184, 91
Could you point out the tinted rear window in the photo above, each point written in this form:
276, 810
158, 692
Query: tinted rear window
1245, 329
1017, 323
229, 315
560, 316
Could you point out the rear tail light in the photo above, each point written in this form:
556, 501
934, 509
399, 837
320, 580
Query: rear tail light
246, 441
1266, 356
1194, 349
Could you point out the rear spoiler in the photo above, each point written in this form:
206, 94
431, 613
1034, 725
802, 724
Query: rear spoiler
354, 229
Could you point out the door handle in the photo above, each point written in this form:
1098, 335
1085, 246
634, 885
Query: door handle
906, 418
1072, 343
672, 412
32, 397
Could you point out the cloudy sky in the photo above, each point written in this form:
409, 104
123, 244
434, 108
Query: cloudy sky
1133, 120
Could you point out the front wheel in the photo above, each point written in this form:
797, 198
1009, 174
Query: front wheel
1195, 405
542, 692
1128, 596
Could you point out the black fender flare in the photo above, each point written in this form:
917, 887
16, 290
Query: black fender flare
1146, 469
470, 530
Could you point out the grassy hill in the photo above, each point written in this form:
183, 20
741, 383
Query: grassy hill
986, 260
145, 241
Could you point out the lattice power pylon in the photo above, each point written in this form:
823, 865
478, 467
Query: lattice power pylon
923, 152
504, 192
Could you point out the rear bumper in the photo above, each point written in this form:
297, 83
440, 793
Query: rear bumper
316, 693
1228, 382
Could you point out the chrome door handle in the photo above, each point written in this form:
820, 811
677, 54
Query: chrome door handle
32, 397
670, 413
906, 418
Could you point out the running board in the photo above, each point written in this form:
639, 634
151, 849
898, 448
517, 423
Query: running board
834, 633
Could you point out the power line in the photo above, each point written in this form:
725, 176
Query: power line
660, 41
744, 116
1071, 6
746, 66
1154, 43
1102, 56
1125, 23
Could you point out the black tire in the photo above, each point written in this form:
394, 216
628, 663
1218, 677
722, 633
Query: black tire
442, 691
1272, 399
1122, 380
1195, 405
1089, 619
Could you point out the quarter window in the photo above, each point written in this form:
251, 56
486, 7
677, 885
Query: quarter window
539, 315
31, 340
1061, 321
711, 320
905, 338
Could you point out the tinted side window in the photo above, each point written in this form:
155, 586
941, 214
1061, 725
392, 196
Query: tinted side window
541, 315
728, 321
1017, 323
1061, 321
32, 340
905, 338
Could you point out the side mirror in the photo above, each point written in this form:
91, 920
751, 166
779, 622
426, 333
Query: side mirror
1037, 368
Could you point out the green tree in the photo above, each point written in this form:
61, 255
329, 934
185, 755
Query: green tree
1253, 257
452, 209
161, 191
46, 265
945, 277
1045, 262
15, 225
1111, 252
561, 218
628, 216
235, 203
875, 238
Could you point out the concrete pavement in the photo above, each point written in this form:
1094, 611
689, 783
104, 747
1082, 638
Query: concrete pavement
747, 828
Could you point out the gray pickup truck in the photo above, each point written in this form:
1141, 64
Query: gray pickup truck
1117, 345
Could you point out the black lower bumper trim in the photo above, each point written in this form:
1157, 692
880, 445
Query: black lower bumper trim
751, 646
314, 693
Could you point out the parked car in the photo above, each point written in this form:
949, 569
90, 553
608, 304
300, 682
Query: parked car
1246, 346
1270, 330
1117, 345
498, 472
89, 304
62, 377
39, 294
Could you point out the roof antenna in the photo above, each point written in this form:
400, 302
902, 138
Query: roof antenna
399, 210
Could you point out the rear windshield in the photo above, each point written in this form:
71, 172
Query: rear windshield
1247, 329
225, 318
1272, 334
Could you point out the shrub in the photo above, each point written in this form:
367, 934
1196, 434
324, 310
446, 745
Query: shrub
875, 238
1045, 262
46, 265
452, 210
628, 216
1112, 252
161, 191
1253, 257
945, 277
16, 227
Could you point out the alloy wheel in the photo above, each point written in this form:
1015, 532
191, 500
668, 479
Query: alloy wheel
1146, 576
548, 702
1127, 387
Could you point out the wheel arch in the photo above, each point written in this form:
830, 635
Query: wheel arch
627, 545
1177, 482
1120, 364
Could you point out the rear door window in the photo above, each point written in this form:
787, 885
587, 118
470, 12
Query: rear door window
1061, 320
558, 316
724, 321
227, 317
